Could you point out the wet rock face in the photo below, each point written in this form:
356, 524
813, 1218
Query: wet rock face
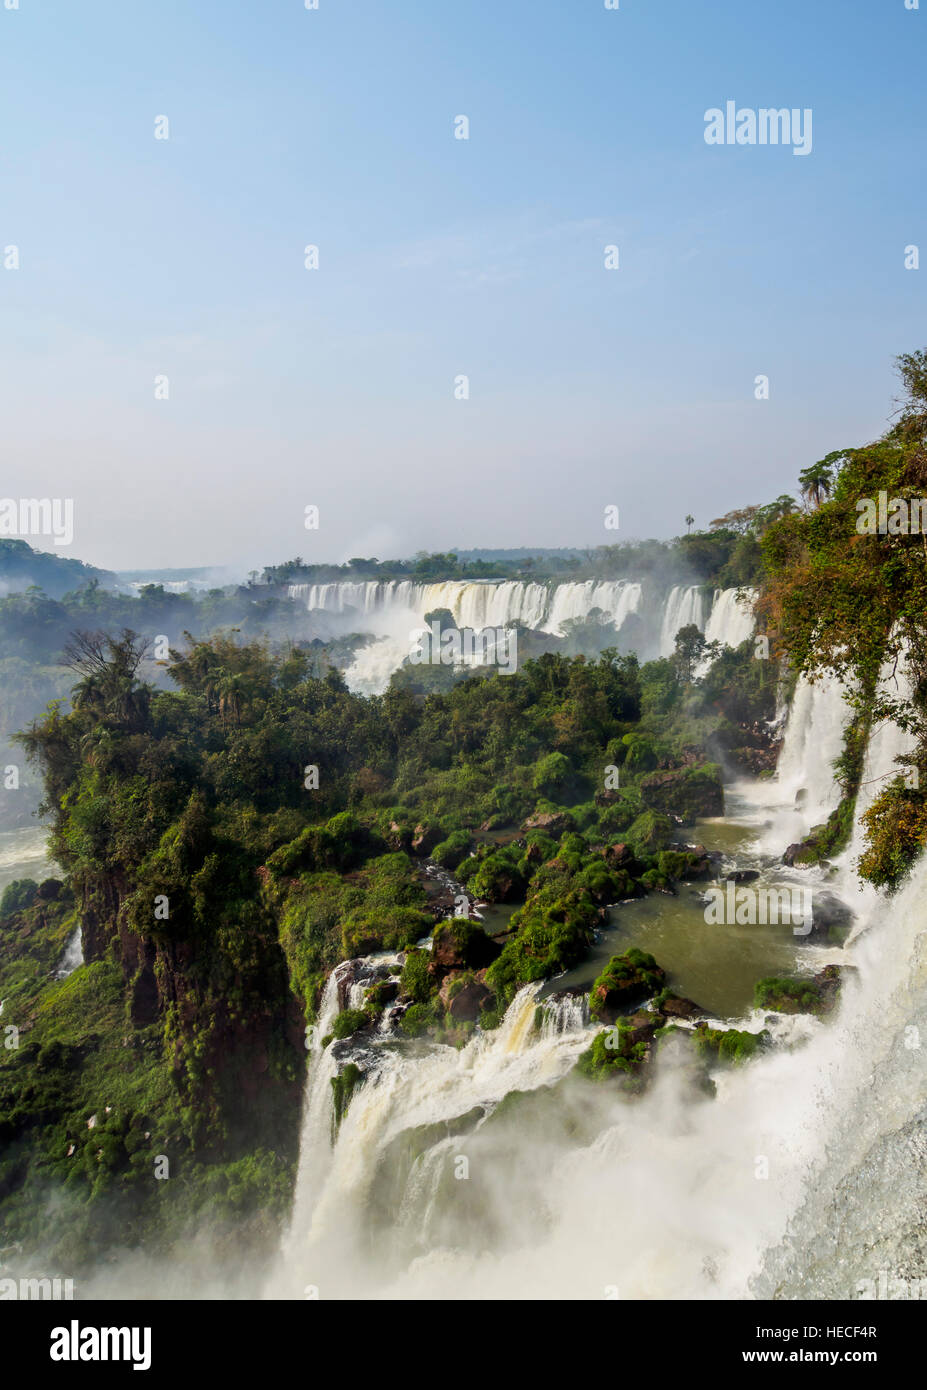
360, 972
755, 761
830, 914
676, 1007
801, 855
642, 1026
828, 982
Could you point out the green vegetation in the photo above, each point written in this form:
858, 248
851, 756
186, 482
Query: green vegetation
227, 841
22, 568
617, 1053
627, 980
799, 994
344, 1085
217, 884
896, 826
842, 595
728, 1044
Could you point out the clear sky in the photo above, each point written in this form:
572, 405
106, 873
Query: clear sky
440, 257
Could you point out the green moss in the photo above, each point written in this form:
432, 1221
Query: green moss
790, 994
613, 1056
420, 1018
626, 980
650, 833
415, 982
343, 1087
728, 1045
348, 1022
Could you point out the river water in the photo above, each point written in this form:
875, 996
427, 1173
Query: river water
23, 854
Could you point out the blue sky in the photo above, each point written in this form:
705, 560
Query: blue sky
441, 257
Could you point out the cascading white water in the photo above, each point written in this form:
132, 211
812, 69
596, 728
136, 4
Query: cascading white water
861, 1209
72, 957
813, 740
406, 1086
393, 611
670, 1195
684, 606
475, 604
731, 619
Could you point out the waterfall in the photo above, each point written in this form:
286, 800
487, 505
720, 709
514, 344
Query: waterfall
407, 1087
684, 606
813, 740
393, 612
73, 956
475, 604
862, 1122
315, 1136
731, 619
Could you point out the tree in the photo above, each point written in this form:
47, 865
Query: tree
689, 650
912, 368
689, 522
817, 481
740, 520
784, 505
107, 667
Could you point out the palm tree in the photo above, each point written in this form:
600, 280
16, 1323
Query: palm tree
108, 684
816, 482
689, 520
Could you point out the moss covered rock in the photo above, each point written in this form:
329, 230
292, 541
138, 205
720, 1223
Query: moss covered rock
728, 1044
459, 944
688, 793
651, 832
800, 995
627, 980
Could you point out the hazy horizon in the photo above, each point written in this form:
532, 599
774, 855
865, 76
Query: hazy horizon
182, 260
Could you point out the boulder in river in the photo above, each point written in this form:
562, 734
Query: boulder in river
459, 944
674, 1006
800, 994
627, 980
